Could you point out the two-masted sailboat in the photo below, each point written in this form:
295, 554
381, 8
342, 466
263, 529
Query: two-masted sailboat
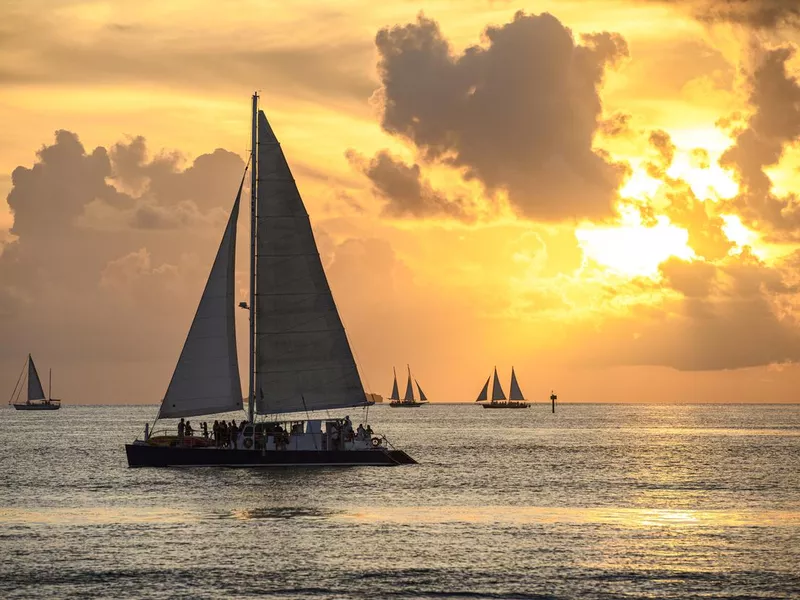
408, 400
299, 357
498, 399
36, 399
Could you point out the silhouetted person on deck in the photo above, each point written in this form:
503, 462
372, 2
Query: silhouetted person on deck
181, 429
233, 431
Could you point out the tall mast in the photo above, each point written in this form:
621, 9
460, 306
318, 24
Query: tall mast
50, 385
253, 198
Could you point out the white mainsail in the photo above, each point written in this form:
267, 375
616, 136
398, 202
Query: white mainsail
422, 397
206, 378
484, 395
303, 360
409, 397
395, 392
497, 389
515, 392
35, 390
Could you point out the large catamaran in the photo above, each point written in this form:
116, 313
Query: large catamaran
300, 360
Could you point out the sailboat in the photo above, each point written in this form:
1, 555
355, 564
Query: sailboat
408, 400
300, 359
36, 399
498, 400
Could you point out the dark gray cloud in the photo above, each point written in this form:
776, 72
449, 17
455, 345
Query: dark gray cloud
406, 192
95, 273
759, 14
518, 113
773, 125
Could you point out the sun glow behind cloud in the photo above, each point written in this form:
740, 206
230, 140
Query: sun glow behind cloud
632, 248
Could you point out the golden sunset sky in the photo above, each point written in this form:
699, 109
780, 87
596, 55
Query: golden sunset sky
599, 193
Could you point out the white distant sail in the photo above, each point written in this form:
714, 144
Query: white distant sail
206, 378
303, 360
409, 397
515, 392
35, 390
422, 397
497, 389
484, 395
395, 392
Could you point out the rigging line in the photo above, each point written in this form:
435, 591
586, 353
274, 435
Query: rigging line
19, 380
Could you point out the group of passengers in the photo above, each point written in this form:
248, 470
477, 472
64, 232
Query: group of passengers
225, 435
343, 430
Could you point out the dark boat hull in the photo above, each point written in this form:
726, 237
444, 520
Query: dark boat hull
499, 405
143, 455
406, 404
37, 406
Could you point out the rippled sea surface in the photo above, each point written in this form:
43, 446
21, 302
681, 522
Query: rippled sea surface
596, 501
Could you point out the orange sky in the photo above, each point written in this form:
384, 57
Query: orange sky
601, 197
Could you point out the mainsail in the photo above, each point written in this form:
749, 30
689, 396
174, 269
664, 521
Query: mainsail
497, 390
35, 391
395, 392
422, 397
206, 378
484, 395
515, 393
303, 360
409, 397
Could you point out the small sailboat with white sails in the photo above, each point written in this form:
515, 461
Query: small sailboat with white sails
300, 360
498, 399
408, 400
36, 400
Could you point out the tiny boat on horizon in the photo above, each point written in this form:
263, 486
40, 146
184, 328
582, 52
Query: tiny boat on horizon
408, 400
36, 400
498, 400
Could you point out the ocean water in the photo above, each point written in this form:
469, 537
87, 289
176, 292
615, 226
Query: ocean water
596, 501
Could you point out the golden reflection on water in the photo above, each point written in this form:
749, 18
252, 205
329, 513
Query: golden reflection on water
93, 516
625, 517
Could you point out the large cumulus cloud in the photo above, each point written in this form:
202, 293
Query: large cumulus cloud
109, 252
518, 113
774, 94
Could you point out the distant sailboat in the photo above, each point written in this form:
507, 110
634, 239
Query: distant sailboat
36, 399
408, 400
299, 359
498, 400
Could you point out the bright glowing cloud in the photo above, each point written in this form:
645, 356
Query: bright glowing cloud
632, 248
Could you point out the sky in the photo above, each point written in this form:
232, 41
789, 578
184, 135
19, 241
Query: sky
599, 193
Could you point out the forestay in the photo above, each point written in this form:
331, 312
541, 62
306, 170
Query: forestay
303, 359
206, 378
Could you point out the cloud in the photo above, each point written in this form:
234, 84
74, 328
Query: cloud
730, 314
314, 64
518, 113
772, 126
407, 193
96, 273
759, 14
